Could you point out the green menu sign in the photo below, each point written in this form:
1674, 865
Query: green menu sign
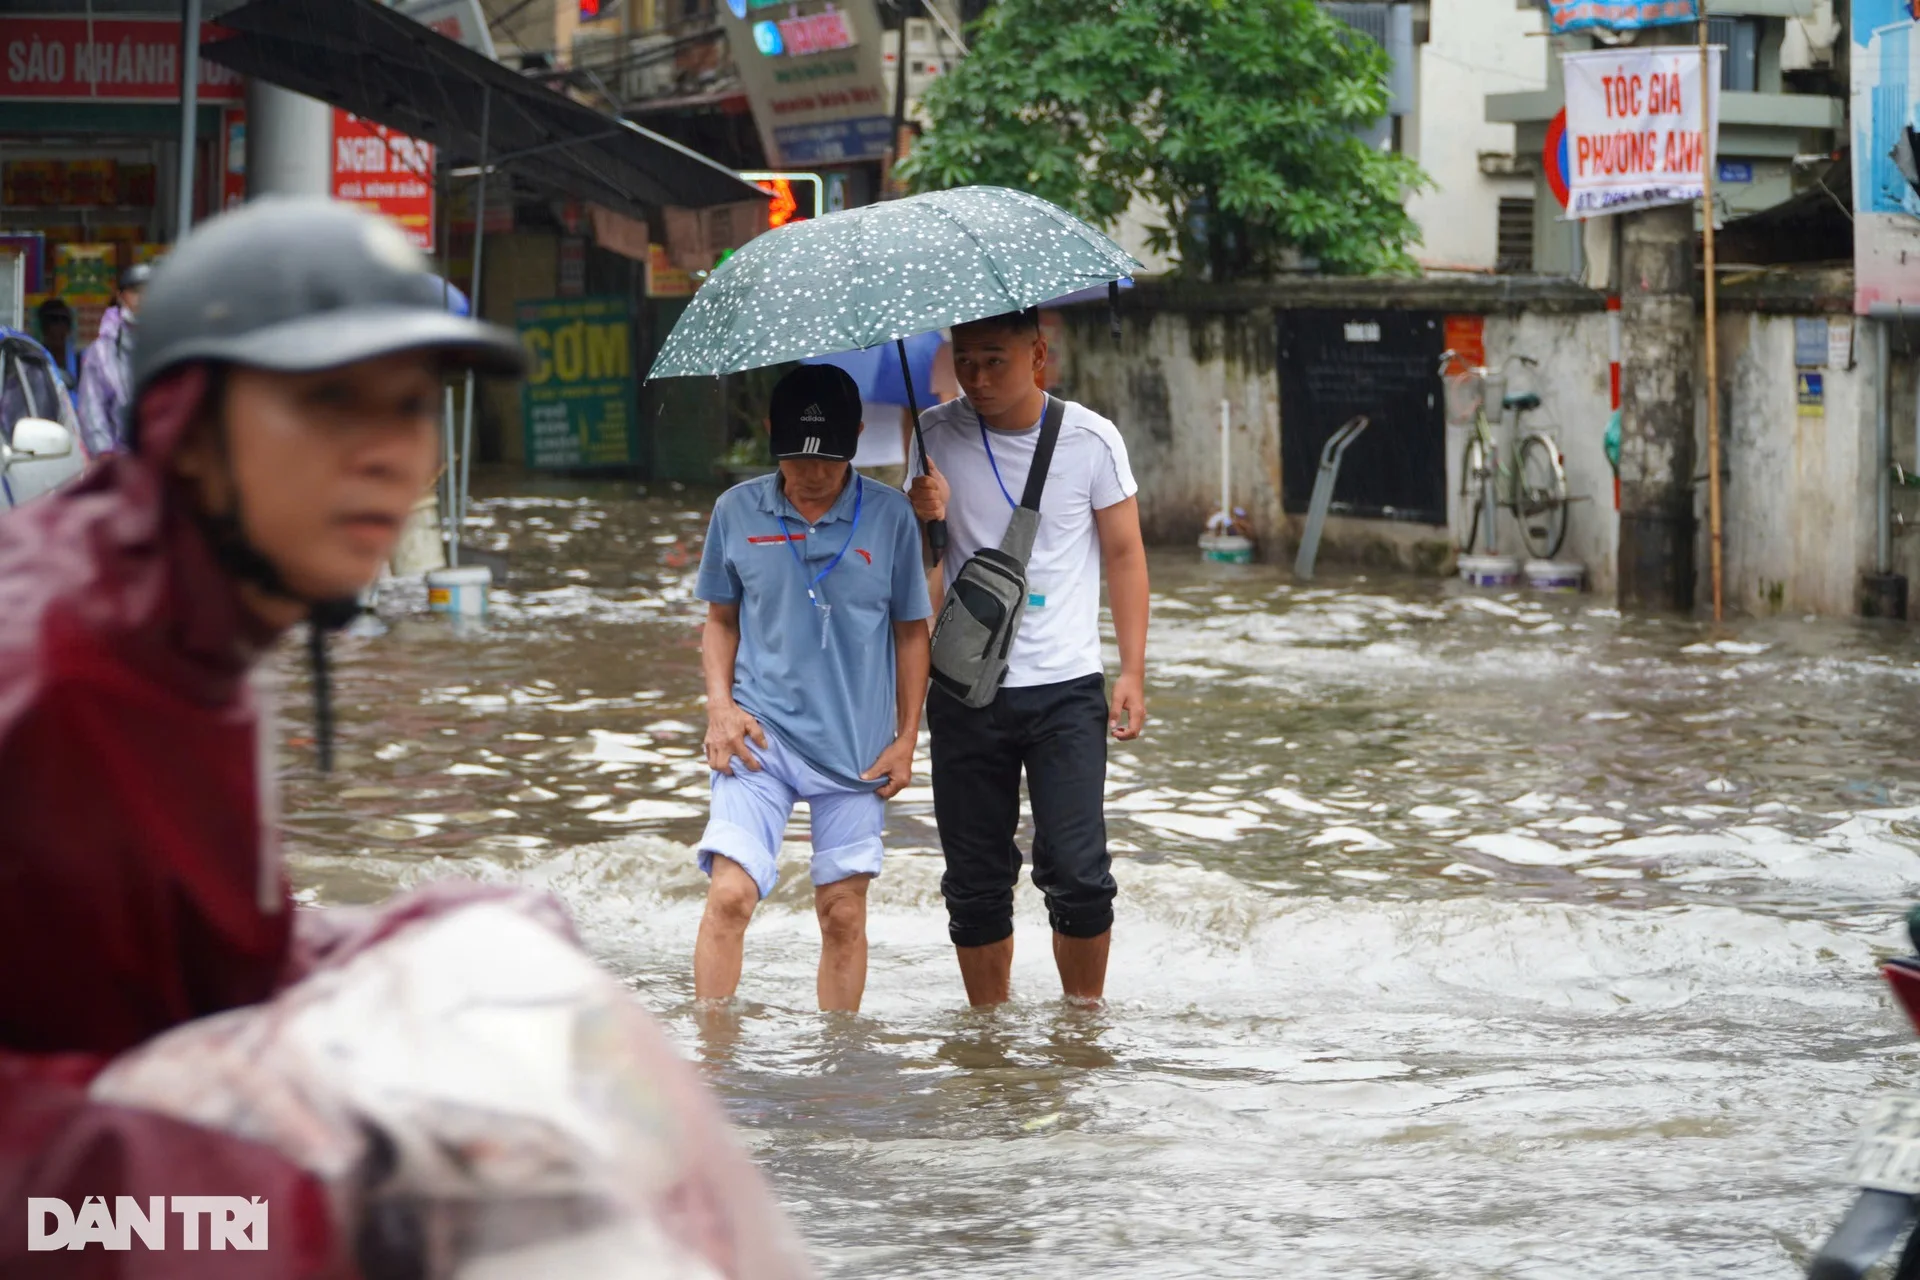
579, 394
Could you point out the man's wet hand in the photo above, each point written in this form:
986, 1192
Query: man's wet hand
895, 765
1128, 714
728, 729
929, 494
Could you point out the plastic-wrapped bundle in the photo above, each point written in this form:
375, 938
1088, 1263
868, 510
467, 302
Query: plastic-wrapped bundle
481, 1100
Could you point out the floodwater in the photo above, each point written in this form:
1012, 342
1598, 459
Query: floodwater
1459, 935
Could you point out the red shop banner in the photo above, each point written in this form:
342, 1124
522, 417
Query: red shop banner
105, 59
387, 172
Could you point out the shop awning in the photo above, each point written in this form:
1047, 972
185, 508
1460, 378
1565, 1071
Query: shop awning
374, 62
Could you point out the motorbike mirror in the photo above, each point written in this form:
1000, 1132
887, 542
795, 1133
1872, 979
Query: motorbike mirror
39, 438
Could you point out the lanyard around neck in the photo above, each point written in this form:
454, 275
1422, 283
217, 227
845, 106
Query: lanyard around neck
858, 495
990, 459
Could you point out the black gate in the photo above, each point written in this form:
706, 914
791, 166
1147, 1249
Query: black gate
1335, 364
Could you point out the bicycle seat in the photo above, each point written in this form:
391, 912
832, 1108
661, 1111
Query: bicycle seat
1524, 403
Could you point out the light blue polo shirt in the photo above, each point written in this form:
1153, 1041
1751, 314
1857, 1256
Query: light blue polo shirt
832, 706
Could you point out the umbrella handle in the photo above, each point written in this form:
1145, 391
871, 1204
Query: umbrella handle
936, 529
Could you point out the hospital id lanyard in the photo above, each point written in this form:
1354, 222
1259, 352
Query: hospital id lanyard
995, 465
826, 610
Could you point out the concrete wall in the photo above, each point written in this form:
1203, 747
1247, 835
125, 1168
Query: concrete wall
1162, 383
1799, 490
1571, 379
1475, 47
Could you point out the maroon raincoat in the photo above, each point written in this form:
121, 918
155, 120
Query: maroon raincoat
139, 881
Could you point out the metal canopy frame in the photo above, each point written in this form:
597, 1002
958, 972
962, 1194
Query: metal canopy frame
362, 57
378, 63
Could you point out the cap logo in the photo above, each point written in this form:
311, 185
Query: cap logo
812, 413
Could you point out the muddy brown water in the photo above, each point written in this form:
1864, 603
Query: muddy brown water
1459, 934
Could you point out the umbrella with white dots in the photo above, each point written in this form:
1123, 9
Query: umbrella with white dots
884, 272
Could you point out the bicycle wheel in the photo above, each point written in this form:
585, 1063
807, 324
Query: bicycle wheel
1541, 502
1471, 499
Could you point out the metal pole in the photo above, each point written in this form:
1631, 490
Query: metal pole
1226, 470
899, 150
1707, 131
189, 112
1883, 453
473, 309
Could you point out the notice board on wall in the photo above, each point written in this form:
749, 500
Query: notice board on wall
1384, 364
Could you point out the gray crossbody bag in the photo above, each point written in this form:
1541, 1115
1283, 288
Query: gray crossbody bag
988, 597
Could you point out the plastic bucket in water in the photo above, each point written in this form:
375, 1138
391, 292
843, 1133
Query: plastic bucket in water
1226, 548
1556, 575
460, 591
1490, 571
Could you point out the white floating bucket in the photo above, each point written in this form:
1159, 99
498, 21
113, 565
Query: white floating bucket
1226, 548
1489, 571
460, 591
1556, 575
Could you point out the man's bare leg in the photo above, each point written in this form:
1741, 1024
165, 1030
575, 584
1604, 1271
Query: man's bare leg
987, 971
1083, 964
842, 910
731, 898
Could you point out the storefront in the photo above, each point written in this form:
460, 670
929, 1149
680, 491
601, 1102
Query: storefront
90, 127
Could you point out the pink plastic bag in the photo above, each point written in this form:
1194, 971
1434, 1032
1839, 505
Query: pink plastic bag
479, 1098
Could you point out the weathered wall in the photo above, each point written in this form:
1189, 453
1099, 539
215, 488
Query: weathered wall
1162, 383
1570, 376
1799, 491
1799, 496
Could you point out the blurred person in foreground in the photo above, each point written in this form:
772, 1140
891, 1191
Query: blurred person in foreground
285, 399
106, 368
815, 653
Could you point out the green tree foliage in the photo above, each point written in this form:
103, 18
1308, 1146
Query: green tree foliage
1235, 116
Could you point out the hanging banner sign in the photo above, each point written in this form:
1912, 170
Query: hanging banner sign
103, 59
1886, 203
387, 172
578, 395
1633, 127
813, 78
1564, 16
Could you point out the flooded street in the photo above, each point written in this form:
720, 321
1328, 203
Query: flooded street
1458, 935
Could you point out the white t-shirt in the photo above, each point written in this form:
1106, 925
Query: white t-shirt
1060, 635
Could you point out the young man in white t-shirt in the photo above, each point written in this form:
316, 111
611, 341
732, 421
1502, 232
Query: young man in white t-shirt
1051, 717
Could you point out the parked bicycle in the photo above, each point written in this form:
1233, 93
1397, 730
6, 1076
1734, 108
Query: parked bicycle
1534, 488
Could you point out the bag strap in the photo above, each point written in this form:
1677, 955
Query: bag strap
1043, 452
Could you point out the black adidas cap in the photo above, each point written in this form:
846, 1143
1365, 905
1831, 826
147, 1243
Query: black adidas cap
815, 413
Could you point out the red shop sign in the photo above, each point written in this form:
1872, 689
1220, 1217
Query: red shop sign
388, 172
106, 59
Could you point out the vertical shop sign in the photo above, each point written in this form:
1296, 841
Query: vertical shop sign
385, 171
578, 398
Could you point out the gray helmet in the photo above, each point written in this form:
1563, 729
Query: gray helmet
299, 284
136, 276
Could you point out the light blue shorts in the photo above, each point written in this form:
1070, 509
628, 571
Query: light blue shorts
750, 812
